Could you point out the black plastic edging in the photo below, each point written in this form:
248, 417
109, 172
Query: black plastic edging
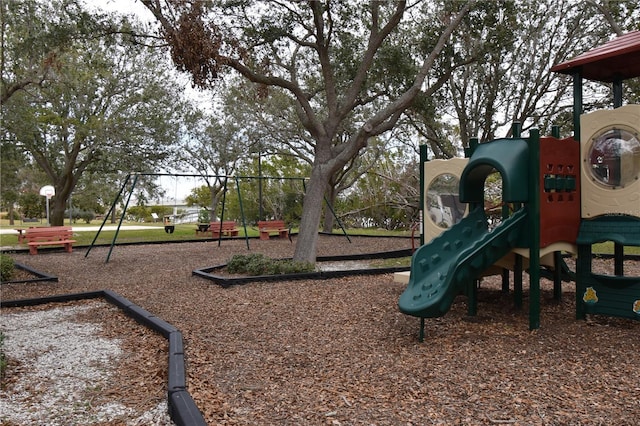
225, 281
175, 343
40, 276
149, 320
115, 299
177, 380
52, 299
182, 408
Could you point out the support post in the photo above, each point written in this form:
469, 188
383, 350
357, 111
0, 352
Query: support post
516, 129
583, 271
505, 281
472, 298
618, 259
115, 236
423, 160
335, 216
260, 210
557, 275
534, 229
106, 216
505, 272
577, 104
517, 282
617, 93
246, 237
473, 144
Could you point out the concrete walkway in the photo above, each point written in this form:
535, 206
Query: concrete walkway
92, 228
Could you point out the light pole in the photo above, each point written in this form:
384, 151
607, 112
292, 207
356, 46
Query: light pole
260, 185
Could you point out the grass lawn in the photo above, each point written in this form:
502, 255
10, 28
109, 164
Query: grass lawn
155, 232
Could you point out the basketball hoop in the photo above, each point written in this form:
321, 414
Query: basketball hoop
48, 191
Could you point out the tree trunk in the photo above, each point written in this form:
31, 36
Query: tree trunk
311, 212
58, 203
11, 213
57, 206
329, 209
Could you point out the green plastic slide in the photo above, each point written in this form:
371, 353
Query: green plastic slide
441, 269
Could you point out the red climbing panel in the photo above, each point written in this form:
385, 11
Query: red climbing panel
559, 190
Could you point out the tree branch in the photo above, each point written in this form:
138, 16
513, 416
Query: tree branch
375, 40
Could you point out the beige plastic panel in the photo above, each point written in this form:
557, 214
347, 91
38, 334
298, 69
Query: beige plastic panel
433, 169
546, 255
508, 261
598, 199
402, 277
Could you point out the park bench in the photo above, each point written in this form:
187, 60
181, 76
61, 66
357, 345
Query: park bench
268, 227
49, 236
229, 228
21, 234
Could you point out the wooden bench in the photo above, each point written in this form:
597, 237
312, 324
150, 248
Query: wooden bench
268, 227
20, 234
49, 236
229, 228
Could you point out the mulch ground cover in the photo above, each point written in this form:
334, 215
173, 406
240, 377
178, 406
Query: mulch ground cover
338, 351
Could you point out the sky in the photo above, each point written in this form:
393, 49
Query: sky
124, 7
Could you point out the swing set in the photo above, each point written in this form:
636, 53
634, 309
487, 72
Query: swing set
132, 179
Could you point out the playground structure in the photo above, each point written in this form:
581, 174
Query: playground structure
558, 195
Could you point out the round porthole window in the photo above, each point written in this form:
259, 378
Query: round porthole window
445, 208
614, 158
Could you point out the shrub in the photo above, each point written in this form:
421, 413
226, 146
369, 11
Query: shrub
252, 264
295, 266
259, 264
236, 263
87, 216
5, 216
7, 267
138, 213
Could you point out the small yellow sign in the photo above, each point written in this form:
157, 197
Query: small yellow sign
590, 296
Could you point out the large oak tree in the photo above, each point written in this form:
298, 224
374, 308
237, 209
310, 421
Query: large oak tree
329, 57
101, 109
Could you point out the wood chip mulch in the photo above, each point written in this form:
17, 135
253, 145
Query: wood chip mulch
338, 351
